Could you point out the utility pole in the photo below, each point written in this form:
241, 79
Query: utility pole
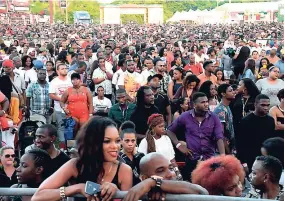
66, 13
51, 13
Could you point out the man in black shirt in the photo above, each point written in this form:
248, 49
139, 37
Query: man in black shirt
45, 138
161, 100
144, 108
255, 128
241, 55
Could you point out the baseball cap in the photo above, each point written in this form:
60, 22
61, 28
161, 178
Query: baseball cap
38, 64
156, 75
8, 63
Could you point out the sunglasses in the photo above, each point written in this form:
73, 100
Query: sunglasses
8, 156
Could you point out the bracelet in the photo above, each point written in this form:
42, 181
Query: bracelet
244, 164
4, 111
178, 145
62, 193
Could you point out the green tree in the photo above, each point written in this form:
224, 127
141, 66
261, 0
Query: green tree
37, 7
92, 7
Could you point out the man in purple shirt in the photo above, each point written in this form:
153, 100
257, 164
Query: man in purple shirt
203, 133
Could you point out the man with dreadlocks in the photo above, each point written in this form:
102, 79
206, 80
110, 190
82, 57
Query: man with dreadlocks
144, 108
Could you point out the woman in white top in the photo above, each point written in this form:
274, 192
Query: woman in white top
271, 85
156, 139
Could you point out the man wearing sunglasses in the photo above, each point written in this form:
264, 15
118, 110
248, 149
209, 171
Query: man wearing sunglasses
7, 171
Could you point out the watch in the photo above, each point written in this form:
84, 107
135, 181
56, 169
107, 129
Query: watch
158, 180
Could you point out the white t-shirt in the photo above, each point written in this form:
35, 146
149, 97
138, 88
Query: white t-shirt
106, 84
163, 146
201, 58
58, 87
116, 77
271, 90
145, 74
32, 76
101, 105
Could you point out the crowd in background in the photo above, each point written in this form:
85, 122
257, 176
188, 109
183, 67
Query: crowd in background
139, 108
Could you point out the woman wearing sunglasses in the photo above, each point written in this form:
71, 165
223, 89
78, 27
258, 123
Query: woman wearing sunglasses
7, 170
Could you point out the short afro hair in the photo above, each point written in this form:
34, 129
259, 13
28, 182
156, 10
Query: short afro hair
215, 173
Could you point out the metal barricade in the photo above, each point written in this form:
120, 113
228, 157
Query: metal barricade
122, 194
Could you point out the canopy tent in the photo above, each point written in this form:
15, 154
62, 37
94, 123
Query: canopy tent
230, 12
198, 16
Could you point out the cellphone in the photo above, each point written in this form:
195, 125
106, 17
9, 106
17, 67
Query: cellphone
92, 188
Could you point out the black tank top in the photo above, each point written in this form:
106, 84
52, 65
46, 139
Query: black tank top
114, 181
116, 177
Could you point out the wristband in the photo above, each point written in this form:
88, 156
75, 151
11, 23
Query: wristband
62, 193
4, 111
244, 164
158, 180
178, 145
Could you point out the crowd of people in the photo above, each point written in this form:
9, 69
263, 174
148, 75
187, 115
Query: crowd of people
148, 109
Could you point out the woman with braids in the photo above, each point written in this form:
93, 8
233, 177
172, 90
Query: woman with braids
129, 153
34, 168
156, 139
97, 162
220, 175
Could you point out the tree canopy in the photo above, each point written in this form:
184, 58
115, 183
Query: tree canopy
93, 7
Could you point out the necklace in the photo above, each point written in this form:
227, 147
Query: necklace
108, 172
243, 106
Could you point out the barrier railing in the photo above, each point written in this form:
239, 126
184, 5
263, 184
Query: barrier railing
122, 194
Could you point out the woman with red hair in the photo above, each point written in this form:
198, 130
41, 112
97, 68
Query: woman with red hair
221, 175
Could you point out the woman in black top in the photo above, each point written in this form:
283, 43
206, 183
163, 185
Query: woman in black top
176, 82
129, 153
244, 101
34, 168
50, 70
98, 143
7, 169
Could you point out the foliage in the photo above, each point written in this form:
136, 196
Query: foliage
139, 18
169, 7
37, 7
92, 7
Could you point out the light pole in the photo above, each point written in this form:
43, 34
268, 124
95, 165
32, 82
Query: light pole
66, 14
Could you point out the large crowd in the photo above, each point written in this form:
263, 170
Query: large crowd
148, 109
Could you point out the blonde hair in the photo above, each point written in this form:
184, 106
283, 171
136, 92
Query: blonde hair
5, 148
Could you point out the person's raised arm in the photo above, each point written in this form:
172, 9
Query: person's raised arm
49, 189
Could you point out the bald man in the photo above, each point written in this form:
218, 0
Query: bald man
157, 173
272, 56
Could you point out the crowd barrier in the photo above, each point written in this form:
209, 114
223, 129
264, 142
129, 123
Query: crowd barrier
122, 194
